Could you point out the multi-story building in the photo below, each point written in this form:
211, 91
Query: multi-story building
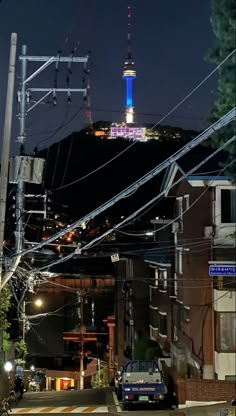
195, 304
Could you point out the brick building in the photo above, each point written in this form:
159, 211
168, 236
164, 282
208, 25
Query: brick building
193, 310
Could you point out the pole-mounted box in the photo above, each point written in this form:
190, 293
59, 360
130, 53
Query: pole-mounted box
27, 169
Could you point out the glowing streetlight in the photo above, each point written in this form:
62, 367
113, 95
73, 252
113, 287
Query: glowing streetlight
38, 303
8, 367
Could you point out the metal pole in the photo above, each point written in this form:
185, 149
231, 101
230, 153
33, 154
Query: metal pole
82, 342
23, 321
19, 233
6, 144
99, 371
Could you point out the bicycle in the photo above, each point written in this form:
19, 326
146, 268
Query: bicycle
5, 407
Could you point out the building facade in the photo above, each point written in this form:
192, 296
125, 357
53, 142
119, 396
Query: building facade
192, 299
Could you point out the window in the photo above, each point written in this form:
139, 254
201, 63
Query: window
129, 269
163, 323
230, 378
179, 212
186, 198
224, 282
228, 206
180, 260
225, 332
175, 333
154, 317
156, 278
175, 285
163, 279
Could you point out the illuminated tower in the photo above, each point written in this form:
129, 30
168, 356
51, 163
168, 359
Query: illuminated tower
129, 74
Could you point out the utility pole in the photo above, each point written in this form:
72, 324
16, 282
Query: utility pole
6, 145
23, 96
19, 232
23, 168
5, 158
81, 371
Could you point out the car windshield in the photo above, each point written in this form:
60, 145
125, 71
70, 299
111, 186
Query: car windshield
141, 367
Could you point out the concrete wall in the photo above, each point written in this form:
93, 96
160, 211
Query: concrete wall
225, 364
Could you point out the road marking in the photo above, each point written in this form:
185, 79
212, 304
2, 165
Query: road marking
68, 409
89, 409
118, 408
57, 410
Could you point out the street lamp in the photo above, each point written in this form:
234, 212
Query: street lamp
8, 367
38, 303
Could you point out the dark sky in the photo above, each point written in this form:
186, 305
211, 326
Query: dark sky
170, 41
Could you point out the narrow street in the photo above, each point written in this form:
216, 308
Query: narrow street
102, 401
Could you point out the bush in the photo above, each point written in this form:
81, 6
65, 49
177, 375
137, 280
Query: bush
146, 349
103, 382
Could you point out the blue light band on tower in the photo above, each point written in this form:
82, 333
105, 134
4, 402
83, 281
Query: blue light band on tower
129, 92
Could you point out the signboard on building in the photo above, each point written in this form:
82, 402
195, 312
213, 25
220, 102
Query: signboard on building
115, 257
222, 270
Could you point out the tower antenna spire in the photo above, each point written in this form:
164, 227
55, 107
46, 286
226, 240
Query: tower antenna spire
129, 31
129, 74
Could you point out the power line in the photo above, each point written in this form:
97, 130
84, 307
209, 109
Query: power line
197, 87
160, 121
135, 185
97, 240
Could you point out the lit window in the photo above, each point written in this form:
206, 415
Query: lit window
156, 278
163, 279
180, 260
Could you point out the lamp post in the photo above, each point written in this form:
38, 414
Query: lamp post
8, 367
38, 303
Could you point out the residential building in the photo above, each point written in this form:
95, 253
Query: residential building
202, 325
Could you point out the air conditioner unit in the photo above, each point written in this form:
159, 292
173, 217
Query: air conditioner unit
208, 231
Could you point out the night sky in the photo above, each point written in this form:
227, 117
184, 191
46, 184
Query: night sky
170, 40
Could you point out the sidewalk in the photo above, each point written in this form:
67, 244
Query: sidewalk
207, 410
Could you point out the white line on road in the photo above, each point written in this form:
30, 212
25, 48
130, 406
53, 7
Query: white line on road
116, 402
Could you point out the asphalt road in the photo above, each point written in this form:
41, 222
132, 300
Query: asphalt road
96, 401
